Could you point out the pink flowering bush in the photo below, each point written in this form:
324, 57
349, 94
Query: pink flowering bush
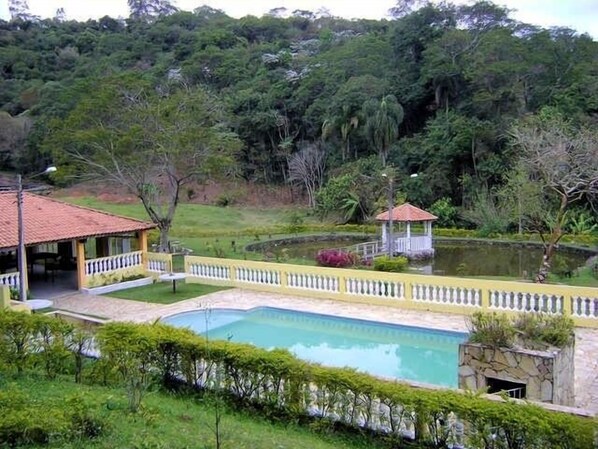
336, 258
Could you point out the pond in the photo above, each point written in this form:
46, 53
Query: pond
454, 258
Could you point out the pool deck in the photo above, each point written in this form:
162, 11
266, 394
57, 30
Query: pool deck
586, 340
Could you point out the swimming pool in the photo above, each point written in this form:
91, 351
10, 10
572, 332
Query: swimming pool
400, 352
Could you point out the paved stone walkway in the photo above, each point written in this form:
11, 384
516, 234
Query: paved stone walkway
586, 342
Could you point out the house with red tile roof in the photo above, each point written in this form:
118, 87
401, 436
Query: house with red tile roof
59, 237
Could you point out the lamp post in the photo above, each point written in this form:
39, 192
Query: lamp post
21, 227
389, 235
390, 208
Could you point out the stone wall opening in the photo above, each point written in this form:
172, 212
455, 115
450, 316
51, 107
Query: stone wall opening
548, 376
513, 389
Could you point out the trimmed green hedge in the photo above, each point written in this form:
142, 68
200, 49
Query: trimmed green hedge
141, 355
280, 383
392, 265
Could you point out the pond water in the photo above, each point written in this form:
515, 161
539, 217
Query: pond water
458, 258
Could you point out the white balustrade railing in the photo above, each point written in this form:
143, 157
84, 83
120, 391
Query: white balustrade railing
584, 307
159, 262
513, 301
209, 271
386, 289
453, 295
257, 276
313, 281
109, 264
448, 294
10, 279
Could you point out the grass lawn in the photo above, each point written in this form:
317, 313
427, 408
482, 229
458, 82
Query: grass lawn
194, 221
176, 422
161, 292
197, 219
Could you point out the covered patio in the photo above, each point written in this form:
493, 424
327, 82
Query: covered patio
70, 248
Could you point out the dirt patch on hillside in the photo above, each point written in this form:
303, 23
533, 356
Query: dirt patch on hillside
240, 193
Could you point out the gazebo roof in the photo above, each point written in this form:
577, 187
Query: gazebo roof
48, 220
406, 212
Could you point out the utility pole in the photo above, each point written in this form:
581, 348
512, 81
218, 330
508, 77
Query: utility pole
21, 247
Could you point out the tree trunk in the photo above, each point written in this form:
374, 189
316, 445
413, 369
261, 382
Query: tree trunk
164, 244
551, 247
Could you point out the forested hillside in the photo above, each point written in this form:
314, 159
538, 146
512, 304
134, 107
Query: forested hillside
450, 93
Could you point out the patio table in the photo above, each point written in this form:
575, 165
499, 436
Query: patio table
172, 277
36, 304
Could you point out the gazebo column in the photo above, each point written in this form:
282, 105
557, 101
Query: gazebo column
81, 276
408, 243
429, 233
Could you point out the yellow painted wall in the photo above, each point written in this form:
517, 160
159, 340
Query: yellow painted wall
409, 281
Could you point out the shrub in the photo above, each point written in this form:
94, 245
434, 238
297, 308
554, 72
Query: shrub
26, 421
531, 330
279, 384
391, 264
537, 328
336, 258
491, 329
295, 223
445, 211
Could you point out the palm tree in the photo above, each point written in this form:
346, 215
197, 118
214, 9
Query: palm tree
382, 123
345, 122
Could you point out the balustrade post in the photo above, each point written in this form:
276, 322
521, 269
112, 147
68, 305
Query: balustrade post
408, 291
567, 304
283, 279
342, 285
232, 273
485, 298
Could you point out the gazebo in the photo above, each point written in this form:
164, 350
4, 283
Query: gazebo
405, 241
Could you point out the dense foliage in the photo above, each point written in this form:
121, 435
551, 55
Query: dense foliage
441, 91
139, 356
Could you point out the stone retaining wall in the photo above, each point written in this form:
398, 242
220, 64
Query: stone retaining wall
547, 375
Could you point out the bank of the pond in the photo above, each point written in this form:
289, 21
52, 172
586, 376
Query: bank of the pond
455, 256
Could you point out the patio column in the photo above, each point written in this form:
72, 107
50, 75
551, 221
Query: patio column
81, 276
142, 239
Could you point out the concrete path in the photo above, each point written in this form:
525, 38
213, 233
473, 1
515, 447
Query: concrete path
586, 341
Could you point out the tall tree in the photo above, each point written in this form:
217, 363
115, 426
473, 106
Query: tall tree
563, 159
151, 145
148, 10
307, 167
383, 118
19, 10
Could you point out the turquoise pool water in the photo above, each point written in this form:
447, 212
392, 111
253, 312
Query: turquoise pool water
399, 352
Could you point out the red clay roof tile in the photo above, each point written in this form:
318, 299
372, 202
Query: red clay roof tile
407, 212
49, 220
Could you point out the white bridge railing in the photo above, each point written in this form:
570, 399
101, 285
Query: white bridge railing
434, 293
109, 264
402, 245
